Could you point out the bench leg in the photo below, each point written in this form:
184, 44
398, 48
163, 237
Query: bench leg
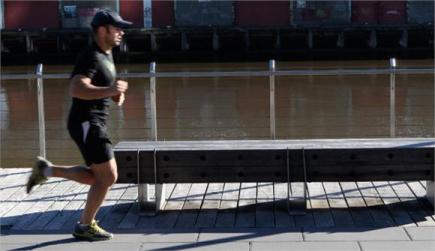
147, 205
297, 200
297, 191
160, 196
430, 192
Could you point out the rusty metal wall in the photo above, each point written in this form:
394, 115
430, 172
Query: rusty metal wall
203, 13
420, 12
364, 12
321, 12
31, 14
262, 13
78, 14
162, 13
392, 12
132, 11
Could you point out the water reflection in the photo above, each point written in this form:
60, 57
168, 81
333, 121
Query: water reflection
223, 108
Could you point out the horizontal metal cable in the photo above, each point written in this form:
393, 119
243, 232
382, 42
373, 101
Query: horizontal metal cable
193, 74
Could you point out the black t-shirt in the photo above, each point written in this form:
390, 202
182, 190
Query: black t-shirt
99, 67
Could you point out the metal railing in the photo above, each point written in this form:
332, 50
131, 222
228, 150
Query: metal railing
271, 73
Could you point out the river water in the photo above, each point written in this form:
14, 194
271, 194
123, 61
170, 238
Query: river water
307, 107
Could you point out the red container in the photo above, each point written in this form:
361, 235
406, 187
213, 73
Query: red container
163, 13
132, 11
392, 12
262, 13
31, 14
364, 12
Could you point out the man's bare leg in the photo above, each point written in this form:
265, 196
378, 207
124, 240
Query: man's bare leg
105, 175
81, 174
43, 169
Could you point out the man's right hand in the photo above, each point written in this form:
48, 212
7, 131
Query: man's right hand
120, 86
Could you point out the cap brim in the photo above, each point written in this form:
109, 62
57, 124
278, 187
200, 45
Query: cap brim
123, 24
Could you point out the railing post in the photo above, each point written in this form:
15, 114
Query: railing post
147, 206
392, 98
41, 117
272, 70
430, 184
153, 101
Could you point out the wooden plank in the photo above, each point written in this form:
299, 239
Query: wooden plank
319, 205
246, 206
3, 172
112, 198
243, 162
13, 195
339, 208
192, 206
209, 209
280, 144
12, 184
59, 202
121, 208
69, 210
12, 179
375, 205
282, 216
410, 203
419, 191
357, 206
228, 207
132, 217
264, 216
393, 204
42, 205
13, 171
168, 217
19, 211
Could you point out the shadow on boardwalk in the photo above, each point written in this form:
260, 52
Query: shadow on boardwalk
209, 227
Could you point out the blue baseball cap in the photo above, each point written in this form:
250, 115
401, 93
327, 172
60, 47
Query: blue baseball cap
105, 17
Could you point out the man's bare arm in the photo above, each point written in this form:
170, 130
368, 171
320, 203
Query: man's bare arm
81, 87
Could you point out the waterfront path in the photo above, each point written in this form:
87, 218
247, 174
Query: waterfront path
221, 216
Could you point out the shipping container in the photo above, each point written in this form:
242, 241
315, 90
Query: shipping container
162, 13
364, 12
203, 13
420, 12
31, 14
2, 21
392, 12
79, 14
262, 13
132, 11
321, 12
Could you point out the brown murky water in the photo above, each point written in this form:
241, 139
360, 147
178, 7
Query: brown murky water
224, 108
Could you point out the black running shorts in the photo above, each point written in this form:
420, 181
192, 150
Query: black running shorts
92, 140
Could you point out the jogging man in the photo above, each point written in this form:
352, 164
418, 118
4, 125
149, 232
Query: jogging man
93, 83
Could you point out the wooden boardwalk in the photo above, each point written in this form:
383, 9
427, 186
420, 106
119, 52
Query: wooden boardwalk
57, 204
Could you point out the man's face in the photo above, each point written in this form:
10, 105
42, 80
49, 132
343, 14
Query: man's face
113, 35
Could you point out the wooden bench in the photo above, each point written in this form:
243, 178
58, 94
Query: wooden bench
293, 161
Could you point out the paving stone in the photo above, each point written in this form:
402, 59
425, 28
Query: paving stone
397, 245
308, 246
34, 238
15, 246
250, 234
355, 234
182, 235
421, 233
242, 246
92, 246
